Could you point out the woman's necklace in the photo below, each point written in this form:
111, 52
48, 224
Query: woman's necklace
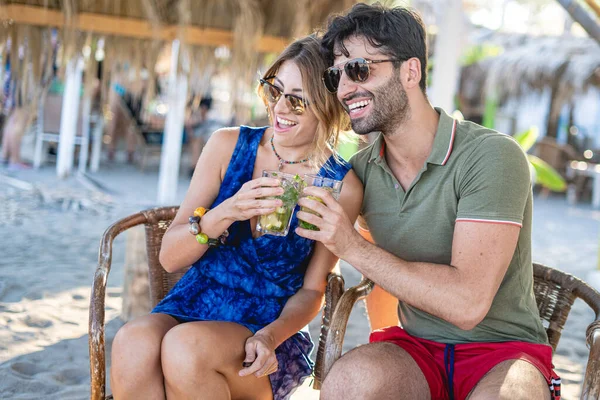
282, 161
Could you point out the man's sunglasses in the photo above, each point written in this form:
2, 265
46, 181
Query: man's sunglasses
272, 93
356, 69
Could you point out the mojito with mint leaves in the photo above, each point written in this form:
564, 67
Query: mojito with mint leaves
278, 222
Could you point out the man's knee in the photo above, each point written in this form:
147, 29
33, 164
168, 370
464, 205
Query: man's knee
375, 371
512, 379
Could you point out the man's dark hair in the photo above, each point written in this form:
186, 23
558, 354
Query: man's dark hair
398, 32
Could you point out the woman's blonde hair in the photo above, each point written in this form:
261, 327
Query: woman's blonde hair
333, 119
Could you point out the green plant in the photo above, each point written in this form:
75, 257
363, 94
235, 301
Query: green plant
543, 173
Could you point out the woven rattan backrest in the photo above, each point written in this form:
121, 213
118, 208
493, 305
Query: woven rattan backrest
161, 281
554, 300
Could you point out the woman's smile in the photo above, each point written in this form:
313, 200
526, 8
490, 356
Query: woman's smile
283, 125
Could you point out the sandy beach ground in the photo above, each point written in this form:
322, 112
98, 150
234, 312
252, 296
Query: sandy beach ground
49, 235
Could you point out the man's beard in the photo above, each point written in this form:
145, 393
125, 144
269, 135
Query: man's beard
389, 109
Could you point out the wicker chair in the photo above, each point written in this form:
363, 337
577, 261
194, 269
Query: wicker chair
156, 222
555, 292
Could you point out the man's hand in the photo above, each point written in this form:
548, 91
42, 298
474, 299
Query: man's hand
336, 231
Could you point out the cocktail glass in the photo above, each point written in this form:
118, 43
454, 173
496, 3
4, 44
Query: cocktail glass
331, 185
278, 222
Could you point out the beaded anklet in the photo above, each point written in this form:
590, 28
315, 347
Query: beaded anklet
203, 238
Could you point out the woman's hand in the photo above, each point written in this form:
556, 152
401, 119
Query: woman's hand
250, 200
260, 356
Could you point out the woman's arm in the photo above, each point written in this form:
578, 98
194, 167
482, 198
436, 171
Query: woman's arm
179, 248
303, 306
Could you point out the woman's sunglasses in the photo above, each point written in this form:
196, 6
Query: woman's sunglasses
272, 93
356, 69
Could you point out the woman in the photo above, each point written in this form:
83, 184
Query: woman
231, 327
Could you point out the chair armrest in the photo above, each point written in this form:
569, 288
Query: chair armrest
333, 293
337, 329
97, 300
591, 381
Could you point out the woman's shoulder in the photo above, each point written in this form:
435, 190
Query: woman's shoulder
232, 134
336, 167
222, 142
227, 133
227, 136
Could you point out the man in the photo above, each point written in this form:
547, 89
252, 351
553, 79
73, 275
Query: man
448, 205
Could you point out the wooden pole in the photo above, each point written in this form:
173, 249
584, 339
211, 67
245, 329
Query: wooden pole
447, 52
136, 287
579, 14
69, 117
85, 127
96, 143
171, 149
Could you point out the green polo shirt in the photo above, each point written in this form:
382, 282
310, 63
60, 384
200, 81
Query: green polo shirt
472, 174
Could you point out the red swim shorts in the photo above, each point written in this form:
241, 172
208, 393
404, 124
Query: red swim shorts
466, 363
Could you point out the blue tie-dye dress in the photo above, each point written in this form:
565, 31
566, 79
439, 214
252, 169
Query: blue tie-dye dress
249, 280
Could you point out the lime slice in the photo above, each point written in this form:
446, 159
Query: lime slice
272, 221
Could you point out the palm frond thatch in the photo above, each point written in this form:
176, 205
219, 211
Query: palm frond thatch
568, 65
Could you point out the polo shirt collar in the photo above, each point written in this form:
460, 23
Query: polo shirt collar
444, 139
442, 143
378, 149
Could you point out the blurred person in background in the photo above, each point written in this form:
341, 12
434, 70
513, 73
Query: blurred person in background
16, 119
125, 111
199, 127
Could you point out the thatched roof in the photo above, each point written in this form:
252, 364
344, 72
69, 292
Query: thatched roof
566, 65
134, 31
277, 18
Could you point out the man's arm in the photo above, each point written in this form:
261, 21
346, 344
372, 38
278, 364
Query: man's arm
460, 293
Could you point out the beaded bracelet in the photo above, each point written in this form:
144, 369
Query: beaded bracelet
203, 238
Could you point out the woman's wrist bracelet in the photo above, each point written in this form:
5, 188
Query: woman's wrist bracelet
203, 238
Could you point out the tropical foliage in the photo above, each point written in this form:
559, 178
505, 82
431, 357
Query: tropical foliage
542, 173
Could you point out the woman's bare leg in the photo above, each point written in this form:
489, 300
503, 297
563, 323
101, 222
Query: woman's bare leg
201, 360
136, 371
